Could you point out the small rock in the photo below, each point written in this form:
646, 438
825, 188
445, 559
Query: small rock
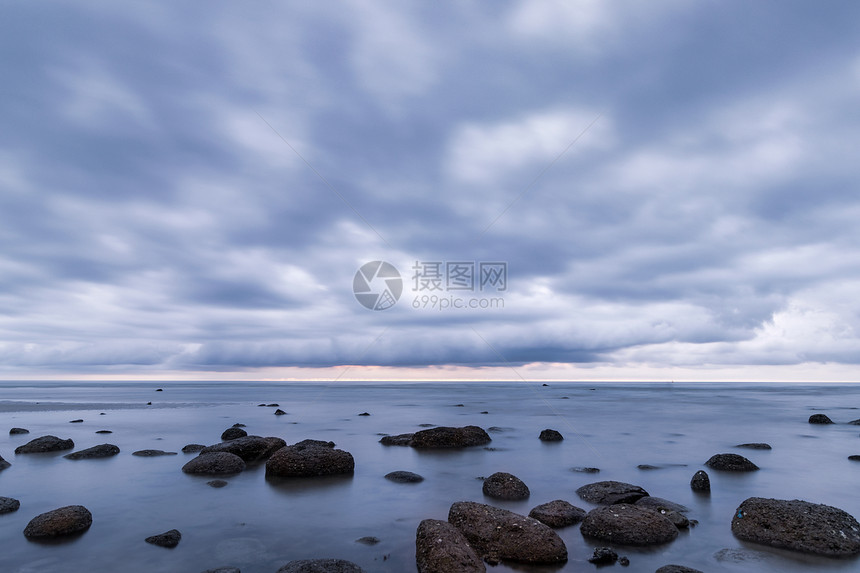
191, 448
59, 522
273, 405
603, 556
45, 444
217, 483
3, 463
755, 446
628, 525
447, 437
549, 435
819, 419
15, 431
168, 539
441, 548
730, 463
623, 561
701, 482
676, 569
239, 425
611, 492
152, 453
404, 477
279, 412
647, 467
306, 461
159, 389
854, 458
104, 432
502, 485
558, 513
368, 540
233, 433
364, 414
100, 451
216, 463
8, 505
78, 421
855, 422
584, 470
398, 440
149, 403
321, 566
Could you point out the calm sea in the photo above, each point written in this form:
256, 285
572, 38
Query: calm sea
258, 526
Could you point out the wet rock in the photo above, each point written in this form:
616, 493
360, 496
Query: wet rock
8, 505
502, 534
314, 443
167, 539
272, 405
755, 446
398, 440
855, 422
854, 458
233, 433
730, 463
404, 477
502, 485
603, 556
628, 525
441, 548
797, 526
217, 483
78, 421
660, 504
623, 561
280, 412
59, 522
238, 425
152, 453
447, 437
611, 492
104, 432
250, 448
306, 461
3, 463
558, 513
676, 569
701, 482
100, 451
365, 414
647, 467
321, 566
368, 540
549, 435
819, 419
584, 470
45, 444
191, 448
216, 463
15, 431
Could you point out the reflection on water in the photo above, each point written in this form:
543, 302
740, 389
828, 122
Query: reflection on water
259, 524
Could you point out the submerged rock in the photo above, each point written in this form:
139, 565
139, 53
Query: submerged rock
59, 522
152, 453
306, 461
368, 540
549, 435
628, 525
321, 566
314, 443
100, 451
676, 569
797, 526
502, 485
820, 419
585, 470
731, 463
558, 513
448, 437
233, 433
250, 448
404, 477
191, 448
216, 483
168, 539
45, 444
398, 440
441, 548
701, 482
603, 556
611, 492
502, 534
15, 431
216, 463
8, 505
755, 446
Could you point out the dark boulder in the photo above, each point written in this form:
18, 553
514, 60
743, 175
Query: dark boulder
314, 443
855, 422
797, 526
365, 414
104, 432
59, 522
730, 463
404, 477
502, 534
306, 461
447, 437
603, 556
15, 431
611, 492
502, 485
676, 569
216, 463
398, 440
3, 463
192, 448
441, 548
280, 412
8, 505
152, 453
168, 539
701, 482
233, 433
78, 421
250, 448
755, 446
558, 513
549, 435
238, 425
820, 419
45, 444
100, 451
854, 458
628, 525
320, 566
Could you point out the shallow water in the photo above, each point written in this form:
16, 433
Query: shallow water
258, 525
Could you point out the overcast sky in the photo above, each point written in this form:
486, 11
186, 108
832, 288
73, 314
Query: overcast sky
187, 189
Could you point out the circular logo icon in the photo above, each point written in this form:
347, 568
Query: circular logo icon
377, 285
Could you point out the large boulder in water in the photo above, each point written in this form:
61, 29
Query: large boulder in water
502, 485
611, 492
502, 534
730, 463
100, 451
250, 448
558, 513
441, 548
309, 460
321, 566
628, 525
45, 444
797, 526
448, 437
215, 463
59, 522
